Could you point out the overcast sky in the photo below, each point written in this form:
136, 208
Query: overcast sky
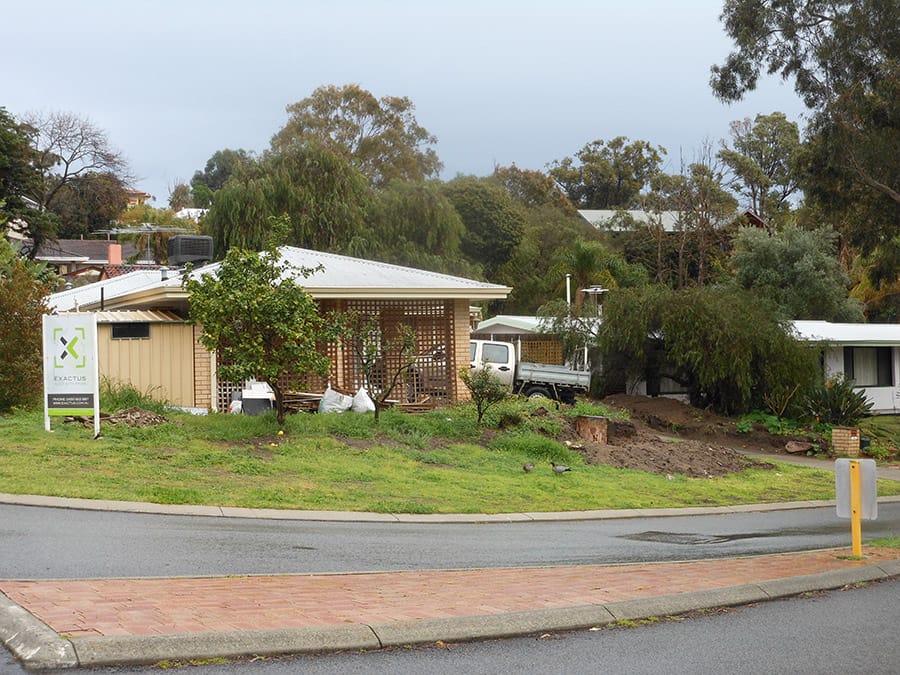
497, 81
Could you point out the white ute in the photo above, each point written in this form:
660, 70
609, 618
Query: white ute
531, 379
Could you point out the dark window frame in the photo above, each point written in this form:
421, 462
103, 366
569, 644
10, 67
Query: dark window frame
884, 366
133, 330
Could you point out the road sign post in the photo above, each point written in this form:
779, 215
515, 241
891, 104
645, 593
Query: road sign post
856, 489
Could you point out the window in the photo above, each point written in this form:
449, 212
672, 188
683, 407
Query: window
130, 331
869, 366
495, 353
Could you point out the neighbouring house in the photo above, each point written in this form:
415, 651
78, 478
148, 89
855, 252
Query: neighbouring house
437, 306
83, 259
137, 198
867, 353
618, 220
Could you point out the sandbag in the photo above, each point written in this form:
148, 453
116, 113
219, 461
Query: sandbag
334, 401
362, 402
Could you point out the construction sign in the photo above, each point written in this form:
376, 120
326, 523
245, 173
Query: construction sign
71, 380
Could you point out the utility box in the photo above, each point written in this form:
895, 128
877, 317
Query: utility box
845, 441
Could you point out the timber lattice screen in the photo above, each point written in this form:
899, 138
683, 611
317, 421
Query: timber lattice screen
433, 373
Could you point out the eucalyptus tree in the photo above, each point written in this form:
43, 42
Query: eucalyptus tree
844, 60
796, 269
606, 175
762, 163
379, 136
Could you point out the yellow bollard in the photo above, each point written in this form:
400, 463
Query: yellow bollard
856, 507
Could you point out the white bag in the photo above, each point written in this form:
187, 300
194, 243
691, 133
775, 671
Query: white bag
362, 402
334, 401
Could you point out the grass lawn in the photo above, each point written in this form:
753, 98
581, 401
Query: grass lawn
438, 462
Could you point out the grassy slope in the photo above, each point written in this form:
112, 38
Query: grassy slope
434, 463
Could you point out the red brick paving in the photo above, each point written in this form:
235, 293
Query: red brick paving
94, 607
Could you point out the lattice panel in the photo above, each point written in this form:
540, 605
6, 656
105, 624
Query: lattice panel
432, 374
432, 322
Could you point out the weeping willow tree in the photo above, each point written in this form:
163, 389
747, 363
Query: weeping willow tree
415, 224
730, 350
320, 197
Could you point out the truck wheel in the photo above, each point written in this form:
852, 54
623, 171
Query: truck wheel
538, 392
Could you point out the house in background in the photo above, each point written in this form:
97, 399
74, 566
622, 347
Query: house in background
867, 353
76, 259
154, 302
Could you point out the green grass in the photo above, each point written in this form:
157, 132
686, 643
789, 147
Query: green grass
439, 462
883, 432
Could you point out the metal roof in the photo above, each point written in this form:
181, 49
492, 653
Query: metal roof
90, 295
506, 323
873, 334
136, 316
339, 277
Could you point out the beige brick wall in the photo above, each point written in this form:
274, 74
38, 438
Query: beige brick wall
845, 441
461, 342
202, 373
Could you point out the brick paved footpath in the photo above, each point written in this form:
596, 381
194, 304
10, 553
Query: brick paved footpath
118, 607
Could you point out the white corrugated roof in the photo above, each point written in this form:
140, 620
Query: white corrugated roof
601, 218
349, 277
499, 324
877, 334
137, 316
340, 277
90, 294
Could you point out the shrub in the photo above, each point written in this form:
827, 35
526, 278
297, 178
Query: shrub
486, 389
837, 402
21, 310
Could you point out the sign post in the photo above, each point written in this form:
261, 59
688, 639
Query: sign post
71, 378
857, 495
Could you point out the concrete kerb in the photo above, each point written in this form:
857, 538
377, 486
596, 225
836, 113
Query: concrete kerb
363, 517
38, 647
32, 641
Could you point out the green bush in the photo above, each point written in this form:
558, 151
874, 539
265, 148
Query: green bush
21, 310
837, 402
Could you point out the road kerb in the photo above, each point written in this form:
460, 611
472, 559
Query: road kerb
32, 641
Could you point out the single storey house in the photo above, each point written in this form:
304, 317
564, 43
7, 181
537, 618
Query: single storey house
867, 353
437, 306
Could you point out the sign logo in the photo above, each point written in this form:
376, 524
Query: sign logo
68, 348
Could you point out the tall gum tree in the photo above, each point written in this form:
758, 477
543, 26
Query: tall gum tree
380, 136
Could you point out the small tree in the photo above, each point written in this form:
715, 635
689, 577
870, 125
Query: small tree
485, 387
384, 361
260, 322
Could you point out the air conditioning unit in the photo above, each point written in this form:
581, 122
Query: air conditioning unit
189, 248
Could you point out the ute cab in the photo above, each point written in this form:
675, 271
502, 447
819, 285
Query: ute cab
497, 357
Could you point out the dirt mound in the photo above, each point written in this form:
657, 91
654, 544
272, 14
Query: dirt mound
666, 436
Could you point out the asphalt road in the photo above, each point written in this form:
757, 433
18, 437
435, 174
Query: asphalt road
844, 631
48, 543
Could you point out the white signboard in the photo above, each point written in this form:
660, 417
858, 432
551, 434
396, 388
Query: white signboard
71, 380
868, 488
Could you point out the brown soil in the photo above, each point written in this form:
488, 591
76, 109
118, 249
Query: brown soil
666, 436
